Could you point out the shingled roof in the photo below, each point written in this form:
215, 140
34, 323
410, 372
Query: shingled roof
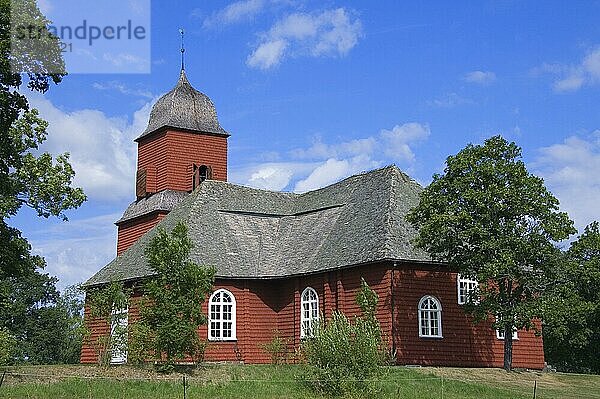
184, 108
249, 233
164, 201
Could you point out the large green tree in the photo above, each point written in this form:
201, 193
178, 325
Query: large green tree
493, 221
572, 312
172, 311
28, 176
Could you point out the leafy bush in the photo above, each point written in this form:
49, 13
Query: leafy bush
8, 345
277, 348
173, 309
345, 357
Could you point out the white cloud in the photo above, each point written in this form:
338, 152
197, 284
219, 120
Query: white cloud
275, 176
329, 33
322, 164
397, 142
102, 150
334, 170
123, 89
271, 178
234, 13
570, 170
125, 62
267, 55
75, 250
573, 77
480, 77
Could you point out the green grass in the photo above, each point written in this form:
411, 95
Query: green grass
246, 382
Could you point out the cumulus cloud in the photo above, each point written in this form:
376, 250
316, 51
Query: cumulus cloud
102, 150
321, 163
234, 13
480, 77
570, 170
573, 77
74, 251
268, 54
328, 33
333, 170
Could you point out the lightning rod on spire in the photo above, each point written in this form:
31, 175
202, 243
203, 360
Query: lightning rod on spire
181, 31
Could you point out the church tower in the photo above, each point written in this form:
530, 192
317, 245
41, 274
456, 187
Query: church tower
183, 145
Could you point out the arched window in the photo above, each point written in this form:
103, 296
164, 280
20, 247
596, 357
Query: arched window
221, 316
430, 317
309, 312
464, 287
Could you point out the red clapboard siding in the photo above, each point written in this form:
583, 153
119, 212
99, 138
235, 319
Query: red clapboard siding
169, 155
129, 232
464, 343
264, 306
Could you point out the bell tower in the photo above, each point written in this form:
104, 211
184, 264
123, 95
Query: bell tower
183, 145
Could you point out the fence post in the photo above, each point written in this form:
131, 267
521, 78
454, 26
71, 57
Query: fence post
442, 387
2, 380
184, 388
534, 388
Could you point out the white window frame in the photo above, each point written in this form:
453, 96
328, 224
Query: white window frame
500, 334
425, 316
308, 321
463, 287
119, 319
216, 313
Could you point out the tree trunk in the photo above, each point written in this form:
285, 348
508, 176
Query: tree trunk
508, 346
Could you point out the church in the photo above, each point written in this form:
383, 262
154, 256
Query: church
283, 260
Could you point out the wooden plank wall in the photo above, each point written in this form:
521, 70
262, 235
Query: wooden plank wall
464, 344
264, 306
130, 231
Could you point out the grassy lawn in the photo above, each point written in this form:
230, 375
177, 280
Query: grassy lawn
238, 381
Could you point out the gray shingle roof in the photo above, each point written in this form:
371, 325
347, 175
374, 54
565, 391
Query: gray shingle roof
161, 201
250, 233
185, 108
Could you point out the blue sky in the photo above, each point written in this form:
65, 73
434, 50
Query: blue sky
312, 92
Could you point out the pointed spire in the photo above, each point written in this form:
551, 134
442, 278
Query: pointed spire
181, 31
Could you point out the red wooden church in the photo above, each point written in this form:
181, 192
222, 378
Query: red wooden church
284, 259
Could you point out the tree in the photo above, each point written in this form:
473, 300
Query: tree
28, 177
172, 308
494, 222
572, 312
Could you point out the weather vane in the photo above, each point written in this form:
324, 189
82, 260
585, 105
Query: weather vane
181, 31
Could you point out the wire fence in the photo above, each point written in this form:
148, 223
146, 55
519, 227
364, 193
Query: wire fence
445, 386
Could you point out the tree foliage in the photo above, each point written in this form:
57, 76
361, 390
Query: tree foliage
30, 308
173, 299
572, 312
493, 221
344, 356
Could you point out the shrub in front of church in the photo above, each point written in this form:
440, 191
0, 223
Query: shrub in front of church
346, 356
277, 348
